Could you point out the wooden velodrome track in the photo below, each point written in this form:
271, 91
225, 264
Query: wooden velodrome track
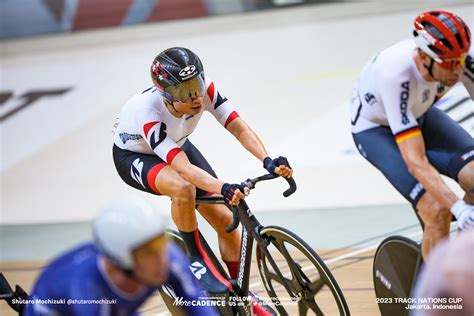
350, 260
354, 275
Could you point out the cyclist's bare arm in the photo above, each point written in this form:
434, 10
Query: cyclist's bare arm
201, 178
414, 155
195, 175
247, 137
250, 141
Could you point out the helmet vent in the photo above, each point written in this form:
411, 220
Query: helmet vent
437, 34
452, 27
435, 50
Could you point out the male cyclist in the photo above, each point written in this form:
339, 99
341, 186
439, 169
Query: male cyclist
152, 153
396, 128
120, 270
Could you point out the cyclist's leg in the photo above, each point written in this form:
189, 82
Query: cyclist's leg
436, 220
450, 149
217, 215
149, 173
378, 146
466, 180
229, 243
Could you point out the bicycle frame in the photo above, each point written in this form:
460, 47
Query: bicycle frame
250, 231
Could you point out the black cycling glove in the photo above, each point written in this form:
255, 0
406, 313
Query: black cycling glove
271, 164
228, 191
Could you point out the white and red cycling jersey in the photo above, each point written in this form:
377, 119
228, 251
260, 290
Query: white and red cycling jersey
145, 125
391, 91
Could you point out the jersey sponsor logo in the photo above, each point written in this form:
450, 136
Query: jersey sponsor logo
198, 269
426, 95
370, 98
125, 137
404, 95
220, 100
136, 171
154, 142
148, 126
416, 191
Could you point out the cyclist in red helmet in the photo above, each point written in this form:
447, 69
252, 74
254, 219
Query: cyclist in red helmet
397, 128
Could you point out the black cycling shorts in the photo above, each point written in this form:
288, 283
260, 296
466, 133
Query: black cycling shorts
140, 170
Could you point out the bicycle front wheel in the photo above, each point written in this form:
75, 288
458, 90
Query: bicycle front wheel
312, 286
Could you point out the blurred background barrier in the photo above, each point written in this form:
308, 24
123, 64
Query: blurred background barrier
28, 18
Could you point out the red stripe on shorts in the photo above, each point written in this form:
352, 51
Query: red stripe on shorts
152, 174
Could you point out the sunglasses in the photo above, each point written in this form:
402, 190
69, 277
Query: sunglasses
186, 90
451, 64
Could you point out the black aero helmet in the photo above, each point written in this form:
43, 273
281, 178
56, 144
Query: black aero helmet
179, 72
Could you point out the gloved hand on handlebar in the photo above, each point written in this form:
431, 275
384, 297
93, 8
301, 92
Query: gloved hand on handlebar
464, 214
279, 166
233, 193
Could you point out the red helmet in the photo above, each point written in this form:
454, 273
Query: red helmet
442, 35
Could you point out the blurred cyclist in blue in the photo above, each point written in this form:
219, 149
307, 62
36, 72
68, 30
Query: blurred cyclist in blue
114, 275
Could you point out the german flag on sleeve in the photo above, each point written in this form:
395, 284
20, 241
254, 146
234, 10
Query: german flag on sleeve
400, 137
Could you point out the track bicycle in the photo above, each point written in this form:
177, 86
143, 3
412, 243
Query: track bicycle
12, 296
294, 276
397, 262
